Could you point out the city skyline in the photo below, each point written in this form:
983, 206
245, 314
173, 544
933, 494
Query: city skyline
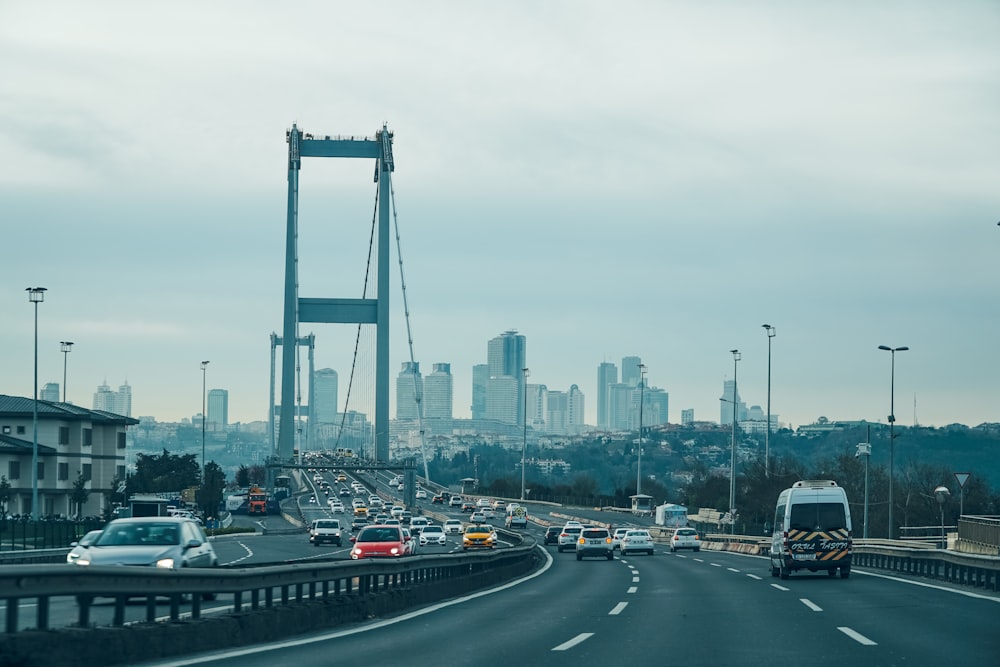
827, 169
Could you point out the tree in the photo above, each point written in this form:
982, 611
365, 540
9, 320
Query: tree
209, 496
243, 476
80, 494
164, 473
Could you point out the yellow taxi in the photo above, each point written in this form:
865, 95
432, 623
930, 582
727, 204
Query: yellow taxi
478, 536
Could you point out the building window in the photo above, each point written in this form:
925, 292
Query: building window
120, 472
64, 435
20, 430
6, 430
121, 440
41, 470
86, 472
14, 470
63, 472
88, 437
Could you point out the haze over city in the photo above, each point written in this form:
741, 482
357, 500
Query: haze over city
645, 179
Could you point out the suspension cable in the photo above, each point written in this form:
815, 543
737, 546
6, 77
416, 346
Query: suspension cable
417, 388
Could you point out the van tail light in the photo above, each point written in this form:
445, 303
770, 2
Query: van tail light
581, 541
695, 538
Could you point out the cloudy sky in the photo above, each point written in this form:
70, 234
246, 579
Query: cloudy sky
610, 179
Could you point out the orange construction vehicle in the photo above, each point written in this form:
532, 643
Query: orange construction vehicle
257, 501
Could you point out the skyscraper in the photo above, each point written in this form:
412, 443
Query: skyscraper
409, 386
480, 378
607, 375
630, 371
506, 355
575, 417
117, 402
730, 394
218, 409
438, 392
326, 385
50, 392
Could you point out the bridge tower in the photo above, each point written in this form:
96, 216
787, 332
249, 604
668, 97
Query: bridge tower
338, 311
308, 342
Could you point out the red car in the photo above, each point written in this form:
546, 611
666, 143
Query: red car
379, 542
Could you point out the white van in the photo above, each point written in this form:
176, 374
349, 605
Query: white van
812, 530
517, 516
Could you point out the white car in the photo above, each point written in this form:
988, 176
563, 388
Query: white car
685, 538
433, 534
482, 502
488, 512
637, 540
453, 526
477, 517
421, 494
396, 511
616, 539
418, 523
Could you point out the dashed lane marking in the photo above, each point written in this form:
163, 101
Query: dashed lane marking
582, 637
812, 605
857, 636
754, 576
632, 589
780, 588
619, 608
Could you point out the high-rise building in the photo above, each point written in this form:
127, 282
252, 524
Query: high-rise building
556, 417
502, 402
325, 388
117, 402
630, 371
104, 398
687, 416
620, 406
438, 393
506, 356
607, 375
50, 392
730, 395
655, 404
538, 395
123, 400
218, 410
480, 378
575, 418
409, 387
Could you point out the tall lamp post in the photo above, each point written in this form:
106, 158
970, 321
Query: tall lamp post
524, 443
732, 460
767, 432
638, 467
892, 421
204, 418
65, 346
35, 295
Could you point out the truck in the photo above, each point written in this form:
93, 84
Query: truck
812, 530
143, 504
257, 501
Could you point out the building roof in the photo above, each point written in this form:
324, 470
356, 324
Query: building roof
17, 446
19, 406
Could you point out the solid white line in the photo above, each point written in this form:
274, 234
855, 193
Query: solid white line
857, 636
632, 589
574, 641
619, 608
754, 576
780, 588
236, 653
978, 596
812, 605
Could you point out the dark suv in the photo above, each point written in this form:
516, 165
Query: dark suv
552, 534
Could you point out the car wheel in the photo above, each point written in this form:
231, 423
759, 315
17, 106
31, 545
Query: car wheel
774, 571
650, 552
673, 550
697, 549
624, 552
208, 596
579, 557
611, 555
784, 572
845, 572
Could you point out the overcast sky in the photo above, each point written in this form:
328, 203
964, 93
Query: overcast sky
610, 179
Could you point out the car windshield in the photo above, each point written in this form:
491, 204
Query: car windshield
432, 529
139, 533
379, 534
595, 533
477, 529
327, 524
817, 516
637, 533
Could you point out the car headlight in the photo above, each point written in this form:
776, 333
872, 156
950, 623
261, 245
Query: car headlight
165, 563
394, 551
79, 561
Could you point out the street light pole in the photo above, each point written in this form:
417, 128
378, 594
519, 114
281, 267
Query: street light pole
524, 443
204, 418
638, 467
732, 461
65, 346
35, 295
767, 432
892, 422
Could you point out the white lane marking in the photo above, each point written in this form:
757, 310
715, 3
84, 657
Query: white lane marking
809, 603
574, 641
683, 556
255, 650
780, 588
733, 569
697, 560
754, 576
978, 596
857, 636
715, 564
635, 580
248, 554
619, 608
632, 589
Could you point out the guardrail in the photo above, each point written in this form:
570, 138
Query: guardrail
980, 533
294, 598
